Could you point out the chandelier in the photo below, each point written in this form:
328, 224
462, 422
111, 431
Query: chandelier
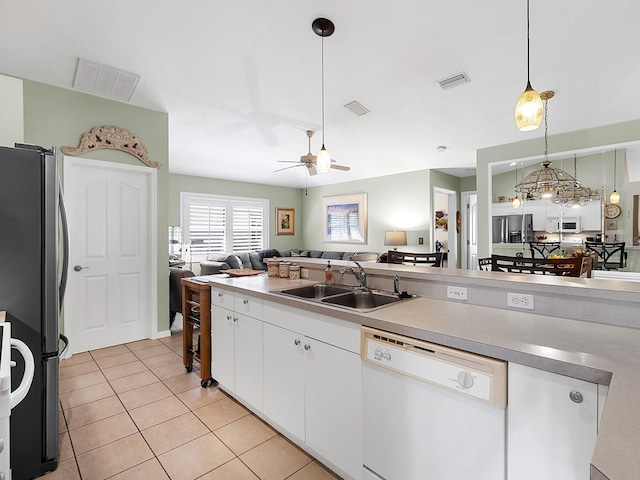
575, 197
548, 182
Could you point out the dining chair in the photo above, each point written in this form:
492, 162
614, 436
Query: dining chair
433, 259
543, 248
611, 255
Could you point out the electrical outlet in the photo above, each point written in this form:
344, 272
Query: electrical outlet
304, 273
457, 293
520, 300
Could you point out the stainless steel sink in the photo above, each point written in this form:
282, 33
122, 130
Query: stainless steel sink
362, 299
315, 291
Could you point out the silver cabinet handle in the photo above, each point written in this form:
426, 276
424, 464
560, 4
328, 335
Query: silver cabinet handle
307, 346
296, 342
228, 317
77, 268
235, 319
245, 301
576, 396
220, 294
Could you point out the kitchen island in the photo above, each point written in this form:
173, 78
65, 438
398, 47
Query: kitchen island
581, 328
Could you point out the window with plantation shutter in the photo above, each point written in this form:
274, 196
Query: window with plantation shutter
219, 224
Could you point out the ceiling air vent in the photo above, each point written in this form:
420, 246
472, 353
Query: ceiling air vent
453, 81
105, 81
357, 108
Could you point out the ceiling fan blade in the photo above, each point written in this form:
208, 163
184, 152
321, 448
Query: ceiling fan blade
312, 170
288, 161
341, 167
287, 168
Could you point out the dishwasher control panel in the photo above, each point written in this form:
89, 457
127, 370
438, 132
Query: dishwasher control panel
472, 375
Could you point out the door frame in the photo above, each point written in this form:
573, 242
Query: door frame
467, 229
452, 206
69, 163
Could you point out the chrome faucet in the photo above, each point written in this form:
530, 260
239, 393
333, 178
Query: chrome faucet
360, 274
396, 284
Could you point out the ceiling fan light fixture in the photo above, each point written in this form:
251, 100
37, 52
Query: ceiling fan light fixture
323, 162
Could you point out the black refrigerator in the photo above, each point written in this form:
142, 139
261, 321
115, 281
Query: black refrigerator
33, 252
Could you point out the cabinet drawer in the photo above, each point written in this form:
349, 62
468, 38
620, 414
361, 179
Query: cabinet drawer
327, 329
222, 298
248, 305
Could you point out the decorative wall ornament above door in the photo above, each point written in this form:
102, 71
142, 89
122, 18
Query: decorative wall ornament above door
115, 138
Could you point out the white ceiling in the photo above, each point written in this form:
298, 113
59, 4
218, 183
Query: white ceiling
240, 79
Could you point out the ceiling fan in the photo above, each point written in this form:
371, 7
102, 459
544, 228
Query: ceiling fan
309, 160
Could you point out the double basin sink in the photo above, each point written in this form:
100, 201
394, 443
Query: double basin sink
341, 296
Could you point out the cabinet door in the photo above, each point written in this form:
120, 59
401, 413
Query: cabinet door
284, 378
333, 387
222, 347
591, 216
549, 435
248, 360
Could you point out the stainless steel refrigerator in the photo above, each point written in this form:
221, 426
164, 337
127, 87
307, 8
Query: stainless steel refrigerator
32, 278
512, 228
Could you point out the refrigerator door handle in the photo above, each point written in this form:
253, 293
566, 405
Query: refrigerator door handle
66, 345
65, 247
29, 368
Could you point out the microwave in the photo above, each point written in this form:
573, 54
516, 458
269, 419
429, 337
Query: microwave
567, 224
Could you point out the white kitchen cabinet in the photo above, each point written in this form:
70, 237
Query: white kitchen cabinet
591, 216
549, 434
333, 394
284, 377
223, 347
237, 345
313, 382
538, 209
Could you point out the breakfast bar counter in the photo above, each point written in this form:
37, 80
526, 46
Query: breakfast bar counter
591, 351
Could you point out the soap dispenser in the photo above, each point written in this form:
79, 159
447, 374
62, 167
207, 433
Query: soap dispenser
328, 274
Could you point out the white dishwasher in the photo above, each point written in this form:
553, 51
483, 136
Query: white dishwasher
431, 412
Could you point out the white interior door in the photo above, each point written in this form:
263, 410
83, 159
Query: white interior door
109, 295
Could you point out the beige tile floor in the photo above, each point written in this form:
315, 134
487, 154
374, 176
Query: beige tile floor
133, 412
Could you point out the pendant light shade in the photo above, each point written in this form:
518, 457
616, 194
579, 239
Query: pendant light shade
615, 196
528, 110
529, 104
323, 28
323, 161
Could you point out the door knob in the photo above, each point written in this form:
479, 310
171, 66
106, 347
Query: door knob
77, 268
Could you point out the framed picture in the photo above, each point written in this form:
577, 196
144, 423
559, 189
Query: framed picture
344, 218
285, 221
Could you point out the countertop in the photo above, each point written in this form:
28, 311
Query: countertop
594, 352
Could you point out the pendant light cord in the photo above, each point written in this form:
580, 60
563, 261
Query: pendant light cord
528, 79
546, 129
322, 83
615, 164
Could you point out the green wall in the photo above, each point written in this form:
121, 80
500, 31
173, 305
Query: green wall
58, 117
395, 202
279, 197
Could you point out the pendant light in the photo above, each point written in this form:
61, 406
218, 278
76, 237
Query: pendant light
324, 28
529, 105
548, 182
615, 196
516, 200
